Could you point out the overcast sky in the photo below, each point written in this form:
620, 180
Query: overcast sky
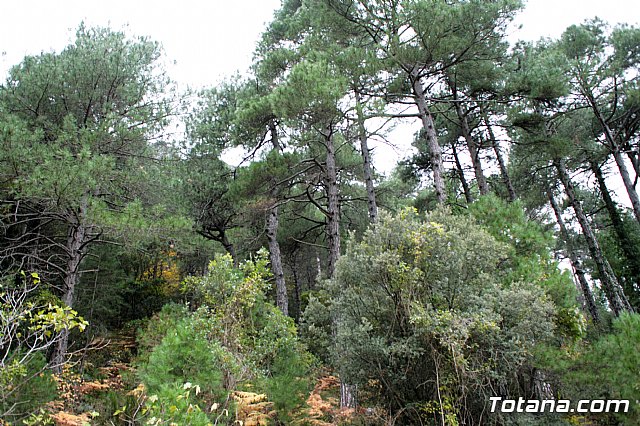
209, 40
212, 39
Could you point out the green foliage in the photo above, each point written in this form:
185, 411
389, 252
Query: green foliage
175, 404
529, 258
615, 250
158, 326
25, 387
30, 322
234, 339
315, 327
184, 355
235, 311
423, 315
606, 368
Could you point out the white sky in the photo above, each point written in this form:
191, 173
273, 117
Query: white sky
212, 39
209, 40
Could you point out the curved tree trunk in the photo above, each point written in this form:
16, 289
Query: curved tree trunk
463, 180
587, 296
503, 166
474, 149
611, 287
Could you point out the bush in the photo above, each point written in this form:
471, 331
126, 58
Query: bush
261, 344
175, 404
426, 322
156, 328
25, 387
607, 368
185, 356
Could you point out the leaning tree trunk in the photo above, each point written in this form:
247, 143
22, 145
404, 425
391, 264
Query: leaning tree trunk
366, 161
76, 239
460, 170
628, 183
587, 295
282, 300
617, 155
435, 152
626, 244
611, 287
474, 148
503, 165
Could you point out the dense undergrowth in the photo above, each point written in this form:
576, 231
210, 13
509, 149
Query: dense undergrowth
425, 343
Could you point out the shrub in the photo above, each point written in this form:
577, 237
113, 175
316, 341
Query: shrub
261, 344
426, 322
185, 356
25, 387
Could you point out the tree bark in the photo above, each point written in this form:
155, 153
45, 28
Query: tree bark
463, 180
617, 155
282, 300
229, 247
474, 149
366, 161
77, 237
628, 183
587, 296
626, 244
503, 167
296, 292
333, 207
611, 287
435, 152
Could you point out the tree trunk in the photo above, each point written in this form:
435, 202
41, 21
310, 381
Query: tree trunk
503, 167
633, 157
463, 180
333, 207
626, 244
587, 296
435, 152
628, 183
617, 155
366, 161
347, 391
282, 300
76, 240
611, 287
228, 246
474, 149
296, 292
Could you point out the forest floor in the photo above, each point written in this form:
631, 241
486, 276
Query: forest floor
100, 388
